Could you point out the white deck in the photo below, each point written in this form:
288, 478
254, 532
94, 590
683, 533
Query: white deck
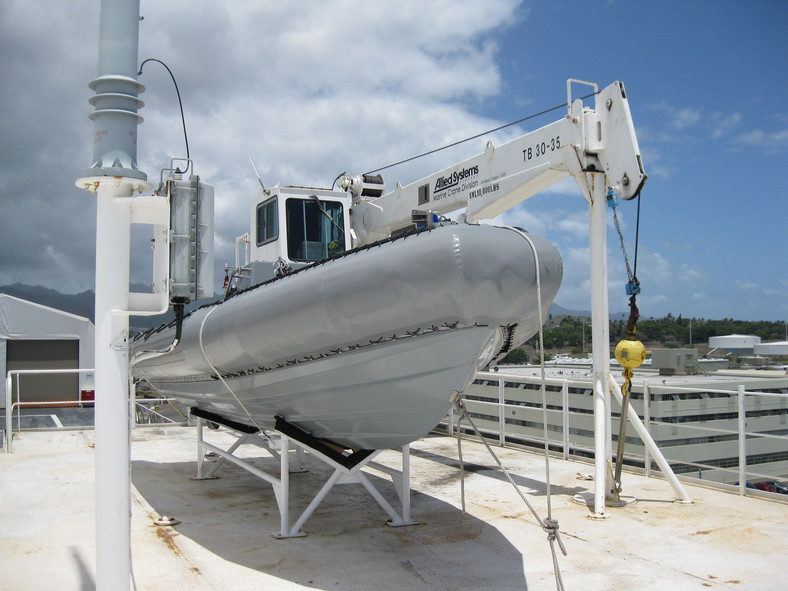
722, 541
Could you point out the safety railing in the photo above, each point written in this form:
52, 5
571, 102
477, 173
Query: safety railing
148, 411
13, 386
731, 439
145, 411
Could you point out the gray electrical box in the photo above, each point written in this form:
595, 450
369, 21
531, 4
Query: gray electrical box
191, 238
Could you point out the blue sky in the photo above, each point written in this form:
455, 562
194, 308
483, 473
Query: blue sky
311, 89
706, 83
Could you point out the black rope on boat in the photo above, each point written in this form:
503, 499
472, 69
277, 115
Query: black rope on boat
413, 232
338, 351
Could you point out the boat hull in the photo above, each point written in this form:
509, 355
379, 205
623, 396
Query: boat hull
374, 397
365, 350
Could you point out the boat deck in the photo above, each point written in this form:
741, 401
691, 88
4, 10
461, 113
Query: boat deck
223, 540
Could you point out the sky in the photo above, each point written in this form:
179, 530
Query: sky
313, 88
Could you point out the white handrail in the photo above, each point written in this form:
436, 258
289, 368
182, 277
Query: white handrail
497, 381
10, 405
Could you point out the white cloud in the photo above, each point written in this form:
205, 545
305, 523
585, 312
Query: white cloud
679, 118
654, 267
685, 117
763, 139
693, 274
745, 285
308, 89
724, 124
559, 224
574, 224
679, 246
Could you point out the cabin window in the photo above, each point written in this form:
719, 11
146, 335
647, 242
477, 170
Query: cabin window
315, 229
267, 223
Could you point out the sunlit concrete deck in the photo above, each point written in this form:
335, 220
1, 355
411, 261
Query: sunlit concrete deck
223, 540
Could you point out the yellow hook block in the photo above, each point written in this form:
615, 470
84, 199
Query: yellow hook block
630, 353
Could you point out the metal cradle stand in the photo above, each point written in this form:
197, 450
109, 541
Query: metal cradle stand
347, 467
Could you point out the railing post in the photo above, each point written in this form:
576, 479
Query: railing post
565, 427
647, 423
284, 487
132, 404
501, 412
18, 405
742, 442
9, 417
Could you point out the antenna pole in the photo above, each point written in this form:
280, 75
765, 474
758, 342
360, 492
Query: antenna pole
257, 174
114, 178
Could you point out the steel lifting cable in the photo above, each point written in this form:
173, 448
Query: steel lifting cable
630, 352
633, 285
473, 137
549, 525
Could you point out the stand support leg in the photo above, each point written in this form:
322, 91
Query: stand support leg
200, 448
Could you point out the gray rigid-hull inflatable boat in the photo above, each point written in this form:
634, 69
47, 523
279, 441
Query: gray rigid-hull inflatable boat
366, 348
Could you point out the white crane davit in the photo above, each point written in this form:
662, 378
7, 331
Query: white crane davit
599, 140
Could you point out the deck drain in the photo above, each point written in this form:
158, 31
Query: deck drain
165, 520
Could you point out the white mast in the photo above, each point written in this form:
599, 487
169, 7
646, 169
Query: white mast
114, 177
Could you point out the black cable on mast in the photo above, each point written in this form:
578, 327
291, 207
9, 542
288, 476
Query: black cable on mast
178, 92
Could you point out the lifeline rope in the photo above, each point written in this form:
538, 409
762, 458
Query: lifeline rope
219, 375
542, 368
549, 525
626, 389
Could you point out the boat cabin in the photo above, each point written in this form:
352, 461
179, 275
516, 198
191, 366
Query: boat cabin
299, 224
293, 227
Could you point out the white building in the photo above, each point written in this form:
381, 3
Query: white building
778, 349
33, 336
735, 343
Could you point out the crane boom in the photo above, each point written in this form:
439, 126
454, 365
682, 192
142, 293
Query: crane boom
585, 140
